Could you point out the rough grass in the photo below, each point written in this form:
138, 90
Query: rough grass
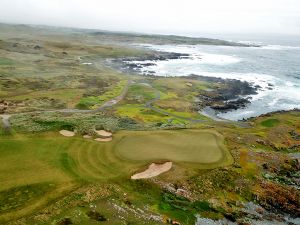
69, 96
180, 85
18, 197
190, 115
148, 116
270, 122
6, 62
140, 113
175, 104
140, 93
96, 101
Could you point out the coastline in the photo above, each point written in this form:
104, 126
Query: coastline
271, 92
234, 94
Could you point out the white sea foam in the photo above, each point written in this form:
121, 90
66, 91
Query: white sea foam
279, 47
250, 42
186, 67
275, 92
197, 54
216, 59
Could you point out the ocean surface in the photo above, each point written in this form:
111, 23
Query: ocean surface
275, 67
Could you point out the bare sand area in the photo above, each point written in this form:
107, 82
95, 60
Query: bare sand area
153, 171
103, 139
67, 133
103, 133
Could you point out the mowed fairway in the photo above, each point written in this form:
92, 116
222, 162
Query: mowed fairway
43, 167
194, 146
31, 173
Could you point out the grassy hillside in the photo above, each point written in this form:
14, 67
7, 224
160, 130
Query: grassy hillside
112, 37
54, 79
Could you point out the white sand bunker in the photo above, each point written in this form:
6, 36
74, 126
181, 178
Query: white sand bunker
103, 139
86, 136
67, 133
153, 171
103, 133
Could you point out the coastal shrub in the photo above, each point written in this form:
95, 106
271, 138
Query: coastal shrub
82, 105
128, 123
99, 127
65, 221
69, 127
87, 103
53, 124
96, 101
201, 205
140, 93
182, 208
96, 216
83, 123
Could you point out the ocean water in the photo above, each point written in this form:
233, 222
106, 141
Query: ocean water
274, 67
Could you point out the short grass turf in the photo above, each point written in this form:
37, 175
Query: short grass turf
192, 146
54, 165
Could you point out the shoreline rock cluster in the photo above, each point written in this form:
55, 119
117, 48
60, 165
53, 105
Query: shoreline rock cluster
232, 95
135, 64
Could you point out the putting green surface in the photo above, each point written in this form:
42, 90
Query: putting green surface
179, 146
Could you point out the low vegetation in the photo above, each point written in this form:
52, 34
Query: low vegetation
52, 82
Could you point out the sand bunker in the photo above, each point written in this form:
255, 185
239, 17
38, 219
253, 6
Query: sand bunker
189, 84
103, 133
67, 133
103, 139
87, 136
153, 171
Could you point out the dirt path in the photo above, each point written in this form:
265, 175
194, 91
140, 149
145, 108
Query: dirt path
117, 99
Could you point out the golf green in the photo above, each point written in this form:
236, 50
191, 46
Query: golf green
193, 146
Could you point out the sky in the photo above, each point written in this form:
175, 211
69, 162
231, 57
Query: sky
184, 17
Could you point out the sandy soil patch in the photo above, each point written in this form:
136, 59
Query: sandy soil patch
189, 84
67, 133
103, 139
87, 136
103, 133
153, 171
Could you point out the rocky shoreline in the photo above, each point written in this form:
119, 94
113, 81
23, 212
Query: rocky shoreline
231, 95
135, 64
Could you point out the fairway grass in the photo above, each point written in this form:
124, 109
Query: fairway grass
55, 164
